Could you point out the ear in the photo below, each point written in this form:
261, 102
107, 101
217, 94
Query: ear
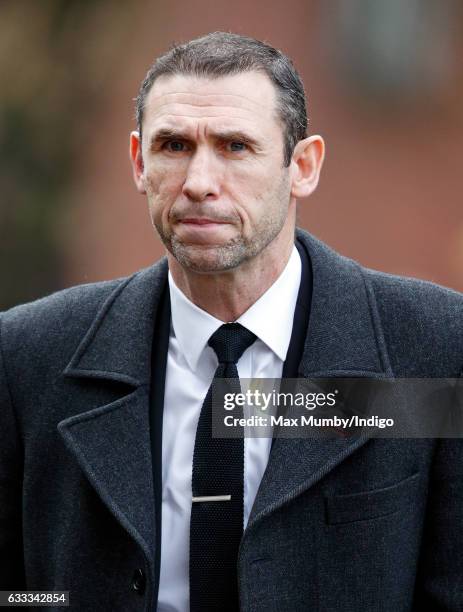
137, 161
306, 163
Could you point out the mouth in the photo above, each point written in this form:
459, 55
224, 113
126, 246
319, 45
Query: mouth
206, 231
202, 221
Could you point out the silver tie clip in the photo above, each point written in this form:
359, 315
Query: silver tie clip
206, 498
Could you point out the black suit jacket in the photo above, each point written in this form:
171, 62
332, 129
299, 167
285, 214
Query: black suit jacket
340, 524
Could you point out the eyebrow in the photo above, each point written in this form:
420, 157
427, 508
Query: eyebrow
172, 133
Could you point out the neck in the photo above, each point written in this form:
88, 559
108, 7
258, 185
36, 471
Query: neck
227, 295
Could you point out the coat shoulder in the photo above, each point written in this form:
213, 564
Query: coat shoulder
49, 330
422, 323
73, 305
57, 320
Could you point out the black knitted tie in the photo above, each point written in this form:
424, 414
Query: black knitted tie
218, 464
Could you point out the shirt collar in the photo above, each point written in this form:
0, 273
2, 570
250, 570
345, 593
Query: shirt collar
270, 318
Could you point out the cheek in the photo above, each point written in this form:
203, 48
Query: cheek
246, 185
254, 192
162, 189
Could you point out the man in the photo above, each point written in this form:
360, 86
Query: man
111, 484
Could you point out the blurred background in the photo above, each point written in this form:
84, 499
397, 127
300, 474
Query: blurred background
384, 86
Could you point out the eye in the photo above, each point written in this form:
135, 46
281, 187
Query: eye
174, 146
237, 146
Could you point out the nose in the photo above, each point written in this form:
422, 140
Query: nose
203, 177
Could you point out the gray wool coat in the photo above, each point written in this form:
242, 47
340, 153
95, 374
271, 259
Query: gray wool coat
347, 525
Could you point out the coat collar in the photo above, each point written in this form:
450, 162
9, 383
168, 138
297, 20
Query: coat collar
344, 335
117, 345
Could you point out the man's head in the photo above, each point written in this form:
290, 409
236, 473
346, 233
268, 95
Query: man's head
212, 152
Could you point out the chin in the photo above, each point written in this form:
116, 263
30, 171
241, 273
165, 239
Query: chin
209, 260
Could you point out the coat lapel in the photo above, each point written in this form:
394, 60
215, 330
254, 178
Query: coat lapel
344, 339
111, 443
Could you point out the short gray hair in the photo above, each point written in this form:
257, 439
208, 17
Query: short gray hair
221, 54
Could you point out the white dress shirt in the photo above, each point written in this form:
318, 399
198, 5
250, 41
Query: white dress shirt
191, 365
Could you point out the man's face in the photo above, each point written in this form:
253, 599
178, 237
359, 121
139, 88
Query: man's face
211, 165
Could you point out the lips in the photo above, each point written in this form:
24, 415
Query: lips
207, 231
202, 221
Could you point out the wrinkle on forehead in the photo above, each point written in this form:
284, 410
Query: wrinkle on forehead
192, 112
205, 99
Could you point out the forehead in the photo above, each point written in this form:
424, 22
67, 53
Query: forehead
246, 99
